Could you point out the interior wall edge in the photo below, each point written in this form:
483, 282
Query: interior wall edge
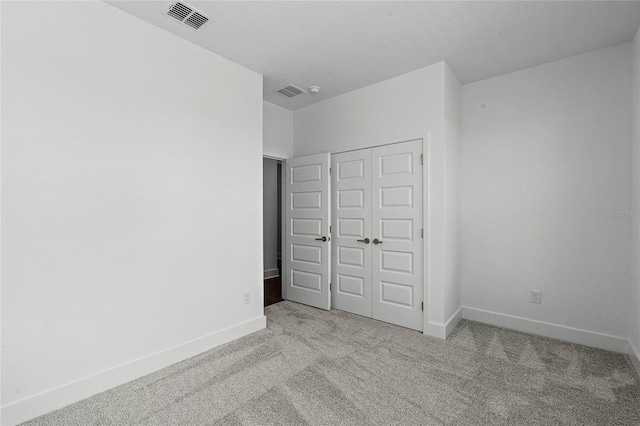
435, 330
452, 131
277, 131
61, 396
276, 157
634, 289
554, 331
451, 324
634, 355
442, 331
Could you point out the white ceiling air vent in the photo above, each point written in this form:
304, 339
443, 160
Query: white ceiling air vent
187, 15
291, 91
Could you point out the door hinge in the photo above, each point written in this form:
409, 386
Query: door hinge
423, 306
329, 171
422, 159
422, 232
329, 286
329, 228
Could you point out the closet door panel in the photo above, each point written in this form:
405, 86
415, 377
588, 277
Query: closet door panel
351, 227
396, 224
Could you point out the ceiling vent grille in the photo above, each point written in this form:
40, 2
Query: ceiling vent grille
179, 11
187, 15
196, 20
290, 91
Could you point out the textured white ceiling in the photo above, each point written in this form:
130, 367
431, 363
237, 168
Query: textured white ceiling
342, 46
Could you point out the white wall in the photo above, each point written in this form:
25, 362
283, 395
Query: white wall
634, 327
452, 114
278, 131
545, 154
270, 217
131, 181
402, 108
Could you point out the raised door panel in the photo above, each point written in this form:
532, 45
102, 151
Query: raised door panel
351, 256
350, 199
350, 227
396, 229
396, 196
307, 200
305, 173
305, 227
305, 253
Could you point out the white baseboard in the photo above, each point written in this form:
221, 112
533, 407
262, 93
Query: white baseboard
634, 354
436, 330
554, 331
453, 321
61, 396
271, 273
442, 331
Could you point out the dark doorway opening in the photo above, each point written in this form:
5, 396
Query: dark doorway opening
272, 238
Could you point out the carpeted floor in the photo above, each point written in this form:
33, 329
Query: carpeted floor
332, 368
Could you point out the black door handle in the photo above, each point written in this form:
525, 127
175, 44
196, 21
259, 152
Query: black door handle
323, 239
366, 241
377, 241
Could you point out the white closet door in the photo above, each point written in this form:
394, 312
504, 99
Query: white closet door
351, 228
308, 247
396, 258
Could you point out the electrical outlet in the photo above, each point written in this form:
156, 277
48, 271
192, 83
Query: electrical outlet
536, 296
246, 297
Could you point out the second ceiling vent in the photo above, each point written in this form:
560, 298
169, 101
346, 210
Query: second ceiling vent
291, 91
188, 15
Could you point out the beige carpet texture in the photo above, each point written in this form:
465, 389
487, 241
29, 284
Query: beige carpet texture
312, 367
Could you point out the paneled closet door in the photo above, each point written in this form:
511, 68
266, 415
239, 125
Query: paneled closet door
396, 227
351, 229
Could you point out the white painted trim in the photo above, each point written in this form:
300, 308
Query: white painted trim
426, 253
364, 144
430, 329
61, 396
271, 273
283, 222
554, 331
377, 144
436, 330
453, 321
273, 157
442, 331
283, 229
634, 355
426, 236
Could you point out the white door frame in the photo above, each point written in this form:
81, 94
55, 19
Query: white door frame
283, 264
425, 211
426, 214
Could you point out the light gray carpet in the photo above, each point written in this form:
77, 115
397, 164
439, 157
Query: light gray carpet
332, 368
